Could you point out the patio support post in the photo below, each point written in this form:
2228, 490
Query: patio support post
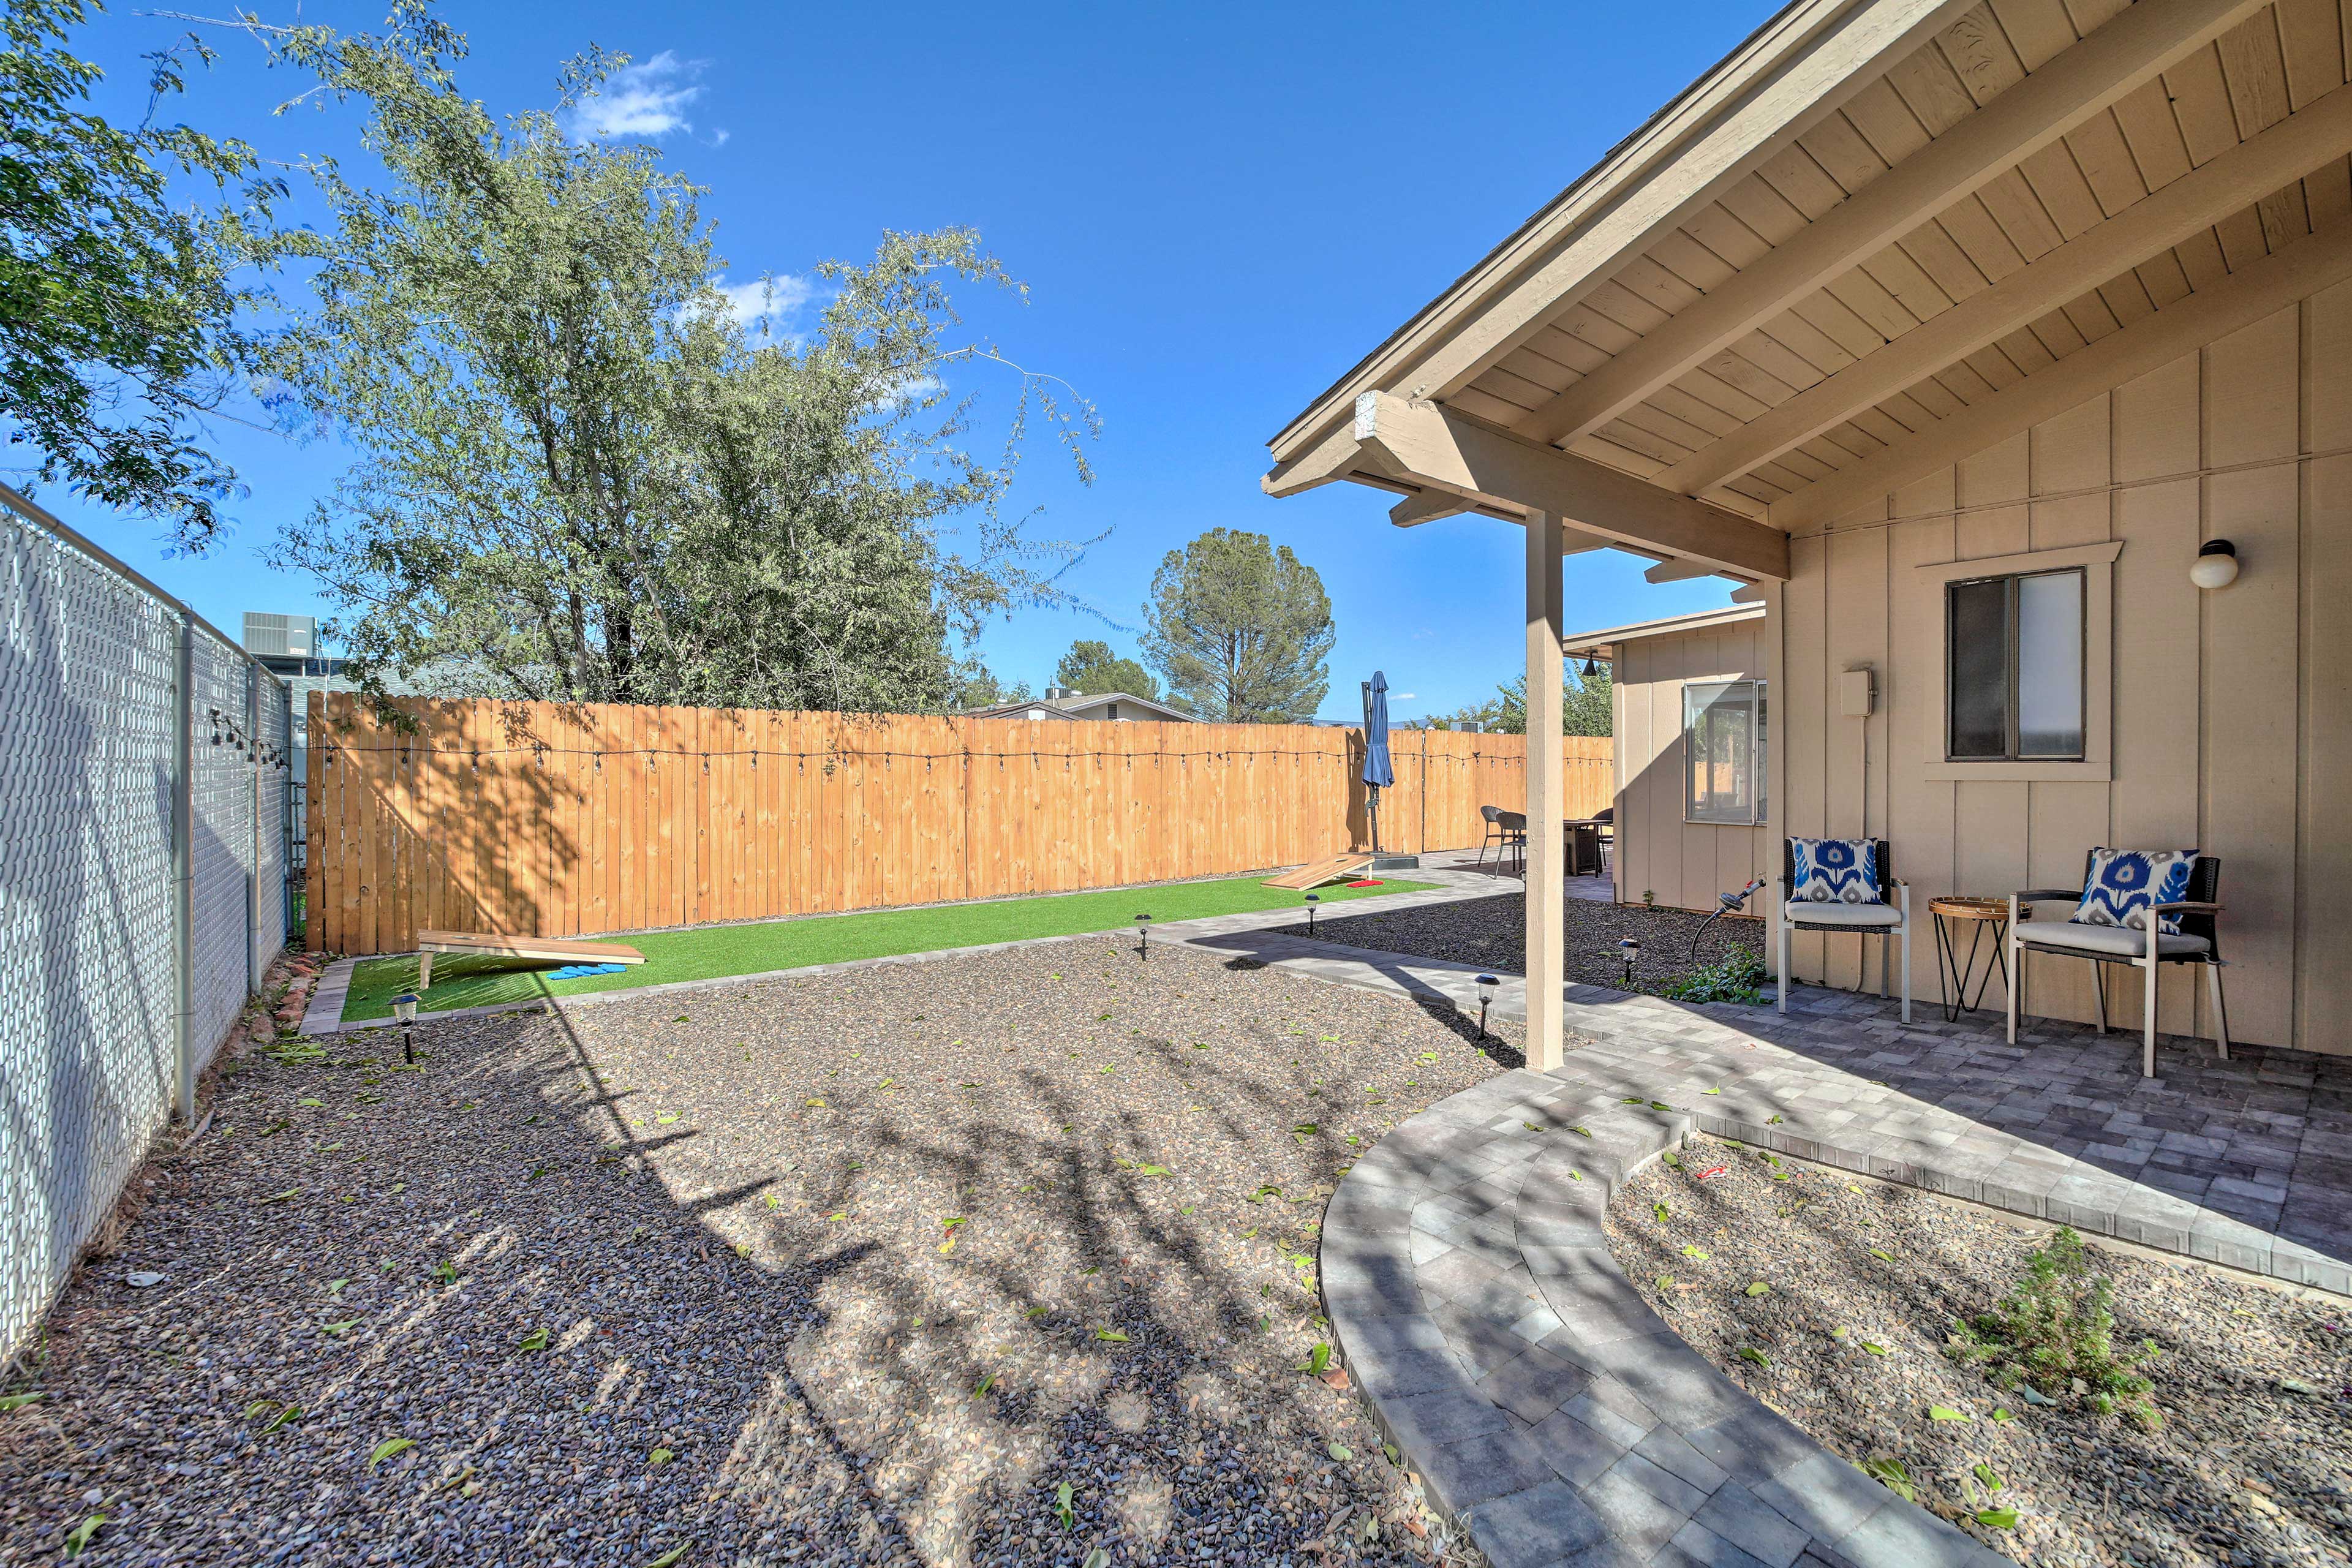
1547, 898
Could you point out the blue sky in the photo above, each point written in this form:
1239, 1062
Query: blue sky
1218, 209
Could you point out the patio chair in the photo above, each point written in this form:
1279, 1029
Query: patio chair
2121, 890
1607, 818
1513, 827
1840, 885
1500, 838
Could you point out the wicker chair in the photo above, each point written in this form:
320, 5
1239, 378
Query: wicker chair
2197, 941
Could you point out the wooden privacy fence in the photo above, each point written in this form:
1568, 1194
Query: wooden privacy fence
544, 819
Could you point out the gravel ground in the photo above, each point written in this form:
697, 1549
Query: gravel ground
2252, 1466
1492, 934
856, 1269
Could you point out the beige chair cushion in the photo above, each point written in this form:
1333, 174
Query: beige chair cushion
1847, 916
2116, 941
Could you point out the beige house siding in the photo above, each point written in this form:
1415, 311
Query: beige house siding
1683, 863
2228, 722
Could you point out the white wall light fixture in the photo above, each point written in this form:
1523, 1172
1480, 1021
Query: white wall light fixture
2216, 566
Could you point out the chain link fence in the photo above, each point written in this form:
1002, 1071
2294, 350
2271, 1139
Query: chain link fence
144, 789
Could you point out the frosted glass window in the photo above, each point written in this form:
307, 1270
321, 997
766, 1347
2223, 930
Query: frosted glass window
2049, 664
2013, 668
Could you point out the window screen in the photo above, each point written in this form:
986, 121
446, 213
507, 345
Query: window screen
1723, 752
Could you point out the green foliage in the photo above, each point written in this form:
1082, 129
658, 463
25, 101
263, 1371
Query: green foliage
974, 685
2054, 1335
1740, 977
1240, 630
1585, 706
1089, 666
117, 311
583, 476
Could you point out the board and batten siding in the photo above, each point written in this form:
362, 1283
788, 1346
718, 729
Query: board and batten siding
2230, 727
1683, 864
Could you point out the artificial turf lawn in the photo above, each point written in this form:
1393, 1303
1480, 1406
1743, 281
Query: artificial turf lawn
713, 953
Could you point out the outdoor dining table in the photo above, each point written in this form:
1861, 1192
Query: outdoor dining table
1582, 835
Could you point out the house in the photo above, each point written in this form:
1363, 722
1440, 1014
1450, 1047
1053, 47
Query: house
1060, 703
1691, 724
1958, 338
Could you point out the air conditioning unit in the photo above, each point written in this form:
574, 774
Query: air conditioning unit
280, 636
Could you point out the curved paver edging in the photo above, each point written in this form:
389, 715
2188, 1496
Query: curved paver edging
1546, 1406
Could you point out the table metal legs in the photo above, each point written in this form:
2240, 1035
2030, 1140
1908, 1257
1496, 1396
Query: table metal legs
1953, 973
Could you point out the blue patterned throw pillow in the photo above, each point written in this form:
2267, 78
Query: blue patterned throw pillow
2124, 884
1834, 871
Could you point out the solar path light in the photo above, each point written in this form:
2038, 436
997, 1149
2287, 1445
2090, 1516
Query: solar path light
1143, 933
404, 1008
1632, 949
1314, 901
1486, 983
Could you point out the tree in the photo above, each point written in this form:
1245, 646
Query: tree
1089, 667
1585, 703
976, 686
581, 476
1240, 630
117, 313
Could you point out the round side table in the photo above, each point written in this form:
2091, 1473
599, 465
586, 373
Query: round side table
1983, 917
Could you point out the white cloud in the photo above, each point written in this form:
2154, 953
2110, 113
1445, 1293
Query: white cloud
639, 101
773, 300
1406, 697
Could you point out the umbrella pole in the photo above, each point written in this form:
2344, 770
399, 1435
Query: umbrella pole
1372, 807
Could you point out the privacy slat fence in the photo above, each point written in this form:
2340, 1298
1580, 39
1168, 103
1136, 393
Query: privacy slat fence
551, 820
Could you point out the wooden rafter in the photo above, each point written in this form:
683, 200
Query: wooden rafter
2117, 59
2231, 183
2254, 291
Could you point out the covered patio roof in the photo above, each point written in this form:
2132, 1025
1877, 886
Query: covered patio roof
1881, 236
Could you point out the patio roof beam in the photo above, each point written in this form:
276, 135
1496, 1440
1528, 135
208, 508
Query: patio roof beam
2118, 58
1435, 447
2246, 297
1431, 505
2320, 132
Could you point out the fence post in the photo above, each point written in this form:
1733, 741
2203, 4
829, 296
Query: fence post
253, 800
184, 837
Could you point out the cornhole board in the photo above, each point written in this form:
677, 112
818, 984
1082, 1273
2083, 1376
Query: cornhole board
1330, 868
429, 943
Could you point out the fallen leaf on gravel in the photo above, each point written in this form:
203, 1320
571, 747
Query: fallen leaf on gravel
2001, 1414
1035, 1313
666, 1118
816, 1101
277, 1197
1945, 1413
659, 1458
388, 1447
1659, 1211
1998, 1518
1111, 1336
308, 1101
1306, 1130
1697, 1254
1890, 1474
985, 1384
1882, 1255
1317, 1360
1153, 1171
670, 1559
1759, 1288
1062, 1508
534, 1341
335, 1287
1097, 1558
339, 1329
837, 1214
1872, 1349
1749, 1353
1341, 1451
16, 1401
80, 1535
1989, 1476
1665, 1281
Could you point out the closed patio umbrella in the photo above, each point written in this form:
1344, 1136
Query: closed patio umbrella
1377, 775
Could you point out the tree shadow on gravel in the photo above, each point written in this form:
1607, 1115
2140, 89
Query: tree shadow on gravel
619, 1291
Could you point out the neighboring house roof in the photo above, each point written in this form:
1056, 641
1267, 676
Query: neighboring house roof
1880, 237
1083, 705
1605, 644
